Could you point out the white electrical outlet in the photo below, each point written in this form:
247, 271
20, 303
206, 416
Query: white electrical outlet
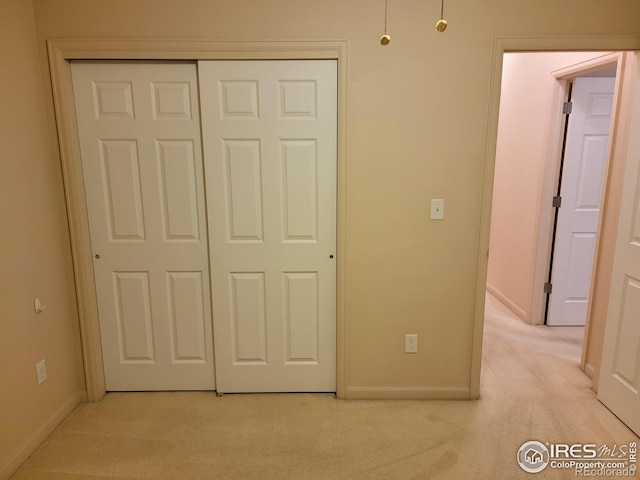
411, 343
41, 371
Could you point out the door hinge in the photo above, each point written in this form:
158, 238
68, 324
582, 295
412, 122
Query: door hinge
548, 287
557, 202
567, 107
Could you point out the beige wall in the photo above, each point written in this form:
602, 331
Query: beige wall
34, 253
526, 102
417, 120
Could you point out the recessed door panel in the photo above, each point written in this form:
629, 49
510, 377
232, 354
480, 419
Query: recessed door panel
301, 316
112, 100
579, 277
244, 189
599, 105
627, 357
238, 99
249, 318
133, 311
171, 100
298, 99
300, 183
594, 155
123, 196
187, 316
179, 189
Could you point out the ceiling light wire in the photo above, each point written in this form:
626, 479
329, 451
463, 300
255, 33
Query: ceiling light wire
441, 25
385, 39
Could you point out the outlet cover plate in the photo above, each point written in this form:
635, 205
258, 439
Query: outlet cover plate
411, 343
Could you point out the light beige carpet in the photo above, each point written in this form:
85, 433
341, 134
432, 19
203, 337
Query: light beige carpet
532, 388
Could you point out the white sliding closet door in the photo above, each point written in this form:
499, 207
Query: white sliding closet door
139, 128
270, 140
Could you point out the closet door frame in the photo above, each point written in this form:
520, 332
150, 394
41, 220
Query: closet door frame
62, 52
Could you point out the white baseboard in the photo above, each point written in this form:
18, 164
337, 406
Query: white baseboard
589, 370
41, 435
407, 393
508, 303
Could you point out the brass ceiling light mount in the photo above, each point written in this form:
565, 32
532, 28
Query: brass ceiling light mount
441, 25
385, 39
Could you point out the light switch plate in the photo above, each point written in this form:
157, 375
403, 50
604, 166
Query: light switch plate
437, 209
41, 371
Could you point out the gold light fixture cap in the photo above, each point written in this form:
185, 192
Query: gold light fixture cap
385, 39
441, 25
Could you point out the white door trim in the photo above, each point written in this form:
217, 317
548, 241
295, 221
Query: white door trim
502, 45
61, 52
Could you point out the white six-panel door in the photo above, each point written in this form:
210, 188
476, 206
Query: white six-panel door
582, 180
139, 130
269, 136
619, 387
